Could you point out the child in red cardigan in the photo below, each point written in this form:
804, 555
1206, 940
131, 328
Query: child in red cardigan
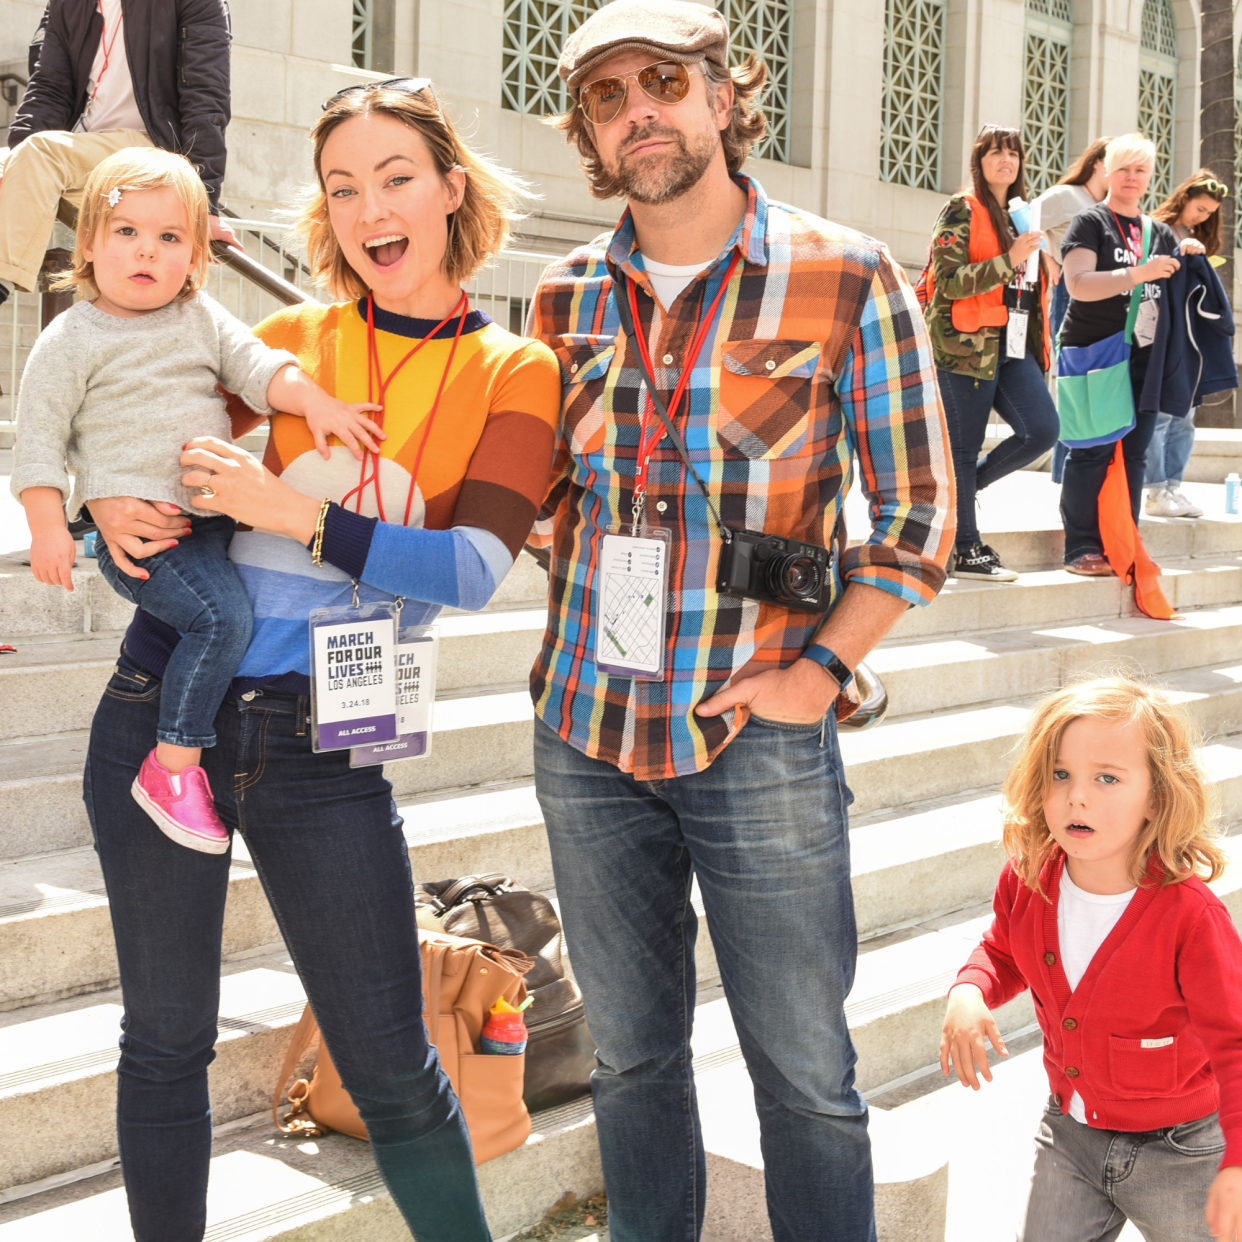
1134, 966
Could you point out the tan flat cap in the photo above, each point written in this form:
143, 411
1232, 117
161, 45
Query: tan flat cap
668, 29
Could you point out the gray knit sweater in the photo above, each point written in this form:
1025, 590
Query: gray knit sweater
112, 400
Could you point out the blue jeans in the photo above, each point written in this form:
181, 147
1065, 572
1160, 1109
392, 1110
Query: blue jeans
195, 589
1172, 442
1020, 395
327, 844
765, 831
1086, 468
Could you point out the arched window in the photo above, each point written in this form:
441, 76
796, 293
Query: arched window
913, 107
1045, 92
1157, 79
536, 30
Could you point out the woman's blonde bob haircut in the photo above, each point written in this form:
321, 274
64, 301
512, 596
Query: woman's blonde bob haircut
1129, 149
130, 171
478, 229
1183, 830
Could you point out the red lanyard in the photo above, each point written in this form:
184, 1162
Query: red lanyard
107, 47
647, 444
375, 373
1127, 238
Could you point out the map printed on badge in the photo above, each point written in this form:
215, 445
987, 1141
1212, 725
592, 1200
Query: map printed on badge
631, 587
354, 676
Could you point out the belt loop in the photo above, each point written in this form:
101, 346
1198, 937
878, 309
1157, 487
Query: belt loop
823, 730
303, 712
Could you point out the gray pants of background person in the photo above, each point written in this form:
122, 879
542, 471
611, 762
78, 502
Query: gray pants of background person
1087, 1183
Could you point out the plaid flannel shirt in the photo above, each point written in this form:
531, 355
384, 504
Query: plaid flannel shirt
818, 353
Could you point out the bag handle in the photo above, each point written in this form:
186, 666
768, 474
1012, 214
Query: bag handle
1136, 295
303, 1034
433, 978
458, 890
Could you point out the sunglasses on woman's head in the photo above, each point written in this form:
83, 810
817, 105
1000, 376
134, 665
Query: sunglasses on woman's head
412, 86
602, 100
1217, 188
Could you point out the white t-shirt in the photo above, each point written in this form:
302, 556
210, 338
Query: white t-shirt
110, 102
1058, 205
1083, 923
668, 280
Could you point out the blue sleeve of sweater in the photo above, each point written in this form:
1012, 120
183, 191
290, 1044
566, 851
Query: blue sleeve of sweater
458, 568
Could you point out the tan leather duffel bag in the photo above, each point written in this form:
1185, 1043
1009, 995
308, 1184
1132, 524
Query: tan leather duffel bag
462, 980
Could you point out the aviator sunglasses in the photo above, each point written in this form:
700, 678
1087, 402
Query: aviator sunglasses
602, 100
412, 86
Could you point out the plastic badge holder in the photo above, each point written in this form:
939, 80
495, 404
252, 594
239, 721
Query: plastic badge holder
418, 652
631, 602
353, 675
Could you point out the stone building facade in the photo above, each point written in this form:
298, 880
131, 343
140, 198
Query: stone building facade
875, 102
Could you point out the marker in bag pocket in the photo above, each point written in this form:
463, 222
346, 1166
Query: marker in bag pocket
1156, 1043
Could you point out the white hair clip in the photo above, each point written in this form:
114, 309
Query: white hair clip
114, 196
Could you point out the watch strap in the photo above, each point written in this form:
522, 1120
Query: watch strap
829, 659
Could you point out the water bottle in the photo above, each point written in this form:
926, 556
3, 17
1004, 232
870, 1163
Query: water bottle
504, 1033
88, 542
1232, 483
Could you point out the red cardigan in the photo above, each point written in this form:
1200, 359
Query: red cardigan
1154, 1025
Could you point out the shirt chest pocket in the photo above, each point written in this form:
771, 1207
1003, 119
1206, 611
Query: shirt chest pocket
1141, 1068
584, 373
766, 390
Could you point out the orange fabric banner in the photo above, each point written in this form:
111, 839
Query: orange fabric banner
1123, 545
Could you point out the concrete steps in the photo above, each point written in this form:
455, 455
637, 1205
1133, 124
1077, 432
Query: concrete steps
1217, 452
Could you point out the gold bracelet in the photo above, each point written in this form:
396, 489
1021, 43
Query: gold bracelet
317, 545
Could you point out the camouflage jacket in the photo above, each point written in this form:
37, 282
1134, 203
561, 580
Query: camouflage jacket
969, 353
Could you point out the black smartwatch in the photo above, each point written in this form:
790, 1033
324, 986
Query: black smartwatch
832, 662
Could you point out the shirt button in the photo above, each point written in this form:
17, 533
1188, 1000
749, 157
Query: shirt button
668, 360
1050, 959
661, 506
574, 369
770, 364
1070, 1024
1071, 1071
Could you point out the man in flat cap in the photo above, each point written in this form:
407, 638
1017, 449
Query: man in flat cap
705, 614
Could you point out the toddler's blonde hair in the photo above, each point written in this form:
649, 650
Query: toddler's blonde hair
1183, 829
130, 170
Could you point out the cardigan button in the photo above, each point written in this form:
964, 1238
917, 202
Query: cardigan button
1070, 1024
1071, 1071
1050, 959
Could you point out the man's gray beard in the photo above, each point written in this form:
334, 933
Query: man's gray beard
669, 177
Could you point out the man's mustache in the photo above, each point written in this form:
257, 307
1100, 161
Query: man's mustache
645, 135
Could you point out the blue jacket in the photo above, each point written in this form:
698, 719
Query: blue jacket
1192, 354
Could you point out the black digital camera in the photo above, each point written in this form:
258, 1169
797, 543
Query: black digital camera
775, 570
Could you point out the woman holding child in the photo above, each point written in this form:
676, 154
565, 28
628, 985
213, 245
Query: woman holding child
464, 416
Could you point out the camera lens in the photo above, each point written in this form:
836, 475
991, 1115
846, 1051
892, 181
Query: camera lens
794, 576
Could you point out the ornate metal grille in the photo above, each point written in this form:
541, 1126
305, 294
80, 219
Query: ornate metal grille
536, 30
1045, 92
1157, 87
1237, 142
1159, 29
363, 29
764, 27
913, 93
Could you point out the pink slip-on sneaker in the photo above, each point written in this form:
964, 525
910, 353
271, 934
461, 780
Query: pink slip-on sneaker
181, 805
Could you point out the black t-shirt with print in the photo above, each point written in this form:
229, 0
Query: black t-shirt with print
1096, 229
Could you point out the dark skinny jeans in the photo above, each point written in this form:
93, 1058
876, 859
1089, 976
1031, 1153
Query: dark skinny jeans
1020, 396
327, 844
1086, 468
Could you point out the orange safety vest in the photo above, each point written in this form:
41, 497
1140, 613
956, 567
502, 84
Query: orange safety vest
986, 309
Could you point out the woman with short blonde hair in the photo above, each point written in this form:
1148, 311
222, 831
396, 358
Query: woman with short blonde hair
401, 212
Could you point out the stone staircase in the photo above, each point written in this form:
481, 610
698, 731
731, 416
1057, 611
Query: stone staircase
961, 676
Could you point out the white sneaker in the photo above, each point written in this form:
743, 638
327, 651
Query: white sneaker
1161, 502
1189, 508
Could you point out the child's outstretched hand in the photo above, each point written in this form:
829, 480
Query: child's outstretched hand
327, 416
52, 553
967, 1022
1224, 1205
